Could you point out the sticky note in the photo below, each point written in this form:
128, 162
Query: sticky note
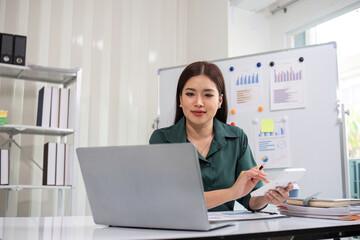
3, 114
267, 125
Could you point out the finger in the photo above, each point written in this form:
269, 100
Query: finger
283, 191
272, 198
265, 180
290, 187
247, 176
281, 196
259, 174
268, 199
256, 169
254, 180
252, 173
275, 197
262, 170
256, 175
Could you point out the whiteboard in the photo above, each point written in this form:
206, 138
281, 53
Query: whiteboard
312, 124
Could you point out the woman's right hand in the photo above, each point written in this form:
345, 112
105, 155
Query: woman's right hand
246, 181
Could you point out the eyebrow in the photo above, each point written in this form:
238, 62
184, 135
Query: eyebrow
205, 90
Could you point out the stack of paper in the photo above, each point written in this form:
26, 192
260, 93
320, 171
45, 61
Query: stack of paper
349, 212
324, 202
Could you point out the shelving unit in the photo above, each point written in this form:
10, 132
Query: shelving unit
64, 78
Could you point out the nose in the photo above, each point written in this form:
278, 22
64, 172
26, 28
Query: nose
199, 101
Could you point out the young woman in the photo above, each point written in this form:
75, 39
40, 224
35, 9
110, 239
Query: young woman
227, 166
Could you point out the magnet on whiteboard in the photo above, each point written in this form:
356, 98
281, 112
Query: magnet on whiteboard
284, 118
255, 121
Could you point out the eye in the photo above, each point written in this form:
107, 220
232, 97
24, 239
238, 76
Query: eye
190, 94
209, 95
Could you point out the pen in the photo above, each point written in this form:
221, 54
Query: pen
264, 159
262, 166
271, 213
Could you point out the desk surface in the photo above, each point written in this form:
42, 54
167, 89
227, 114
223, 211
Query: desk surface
78, 227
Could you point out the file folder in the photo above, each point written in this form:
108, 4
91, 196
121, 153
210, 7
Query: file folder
19, 50
6, 48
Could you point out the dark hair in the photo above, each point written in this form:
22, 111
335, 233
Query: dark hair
211, 71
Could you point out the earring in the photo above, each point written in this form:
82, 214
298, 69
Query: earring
219, 107
180, 106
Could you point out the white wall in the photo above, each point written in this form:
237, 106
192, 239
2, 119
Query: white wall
248, 32
207, 31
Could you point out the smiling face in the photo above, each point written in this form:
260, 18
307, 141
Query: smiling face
200, 100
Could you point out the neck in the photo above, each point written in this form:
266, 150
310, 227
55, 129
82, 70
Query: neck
199, 132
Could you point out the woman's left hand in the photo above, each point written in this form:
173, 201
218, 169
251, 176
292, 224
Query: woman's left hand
279, 195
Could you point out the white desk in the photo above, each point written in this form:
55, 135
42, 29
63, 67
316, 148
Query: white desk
64, 228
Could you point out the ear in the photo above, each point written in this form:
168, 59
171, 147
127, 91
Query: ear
220, 99
180, 99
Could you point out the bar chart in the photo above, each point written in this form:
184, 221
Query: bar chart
279, 130
287, 86
287, 75
247, 79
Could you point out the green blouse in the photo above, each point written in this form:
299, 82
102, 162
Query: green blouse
229, 154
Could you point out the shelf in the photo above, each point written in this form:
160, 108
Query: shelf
23, 129
47, 76
21, 187
39, 74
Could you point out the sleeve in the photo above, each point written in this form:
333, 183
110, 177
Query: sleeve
246, 162
157, 137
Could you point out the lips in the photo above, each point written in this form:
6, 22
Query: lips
198, 112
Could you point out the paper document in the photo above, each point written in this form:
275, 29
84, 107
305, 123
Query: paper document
287, 86
340, 213
275, 145
246, 88
241, 215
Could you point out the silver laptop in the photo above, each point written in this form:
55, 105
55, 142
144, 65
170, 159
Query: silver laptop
147, 186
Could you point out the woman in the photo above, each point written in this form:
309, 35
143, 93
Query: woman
227, 166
